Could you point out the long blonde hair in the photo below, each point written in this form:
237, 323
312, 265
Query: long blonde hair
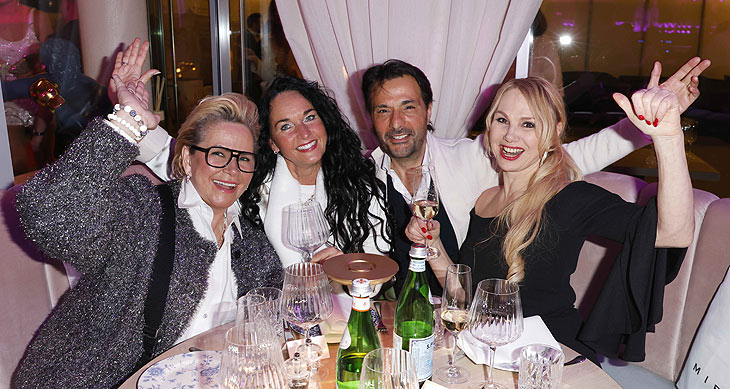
523, 217
228, 107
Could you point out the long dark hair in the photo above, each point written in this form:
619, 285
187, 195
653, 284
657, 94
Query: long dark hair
349, 177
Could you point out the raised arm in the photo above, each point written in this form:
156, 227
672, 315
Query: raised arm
418, 231
656, 112
599, 150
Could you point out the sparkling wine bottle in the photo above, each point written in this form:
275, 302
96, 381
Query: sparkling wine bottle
359, 337
413, 327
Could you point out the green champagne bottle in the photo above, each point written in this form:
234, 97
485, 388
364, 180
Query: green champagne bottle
413, 327
358, 339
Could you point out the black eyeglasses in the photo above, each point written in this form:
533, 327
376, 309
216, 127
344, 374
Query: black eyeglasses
220, 157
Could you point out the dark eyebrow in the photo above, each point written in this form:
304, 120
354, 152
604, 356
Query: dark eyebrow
282, 120
309, 110
410, 101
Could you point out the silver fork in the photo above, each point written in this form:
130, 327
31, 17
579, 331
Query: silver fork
381, 325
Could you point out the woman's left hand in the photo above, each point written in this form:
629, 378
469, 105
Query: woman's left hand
654, 111
322, 256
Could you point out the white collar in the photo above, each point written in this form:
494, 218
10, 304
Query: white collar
190, 198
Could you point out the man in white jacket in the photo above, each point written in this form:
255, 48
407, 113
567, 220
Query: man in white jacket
399, 98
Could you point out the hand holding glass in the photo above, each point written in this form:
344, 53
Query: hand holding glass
425, 199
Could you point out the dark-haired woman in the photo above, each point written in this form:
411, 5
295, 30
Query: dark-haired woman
308, 149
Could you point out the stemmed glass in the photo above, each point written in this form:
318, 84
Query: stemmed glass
389, 368
306, 300
307, 229
495, 317
425, 199
455, 303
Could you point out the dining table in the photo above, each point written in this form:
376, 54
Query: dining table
580, 375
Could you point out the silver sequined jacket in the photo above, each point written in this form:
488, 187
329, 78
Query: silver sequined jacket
82, 211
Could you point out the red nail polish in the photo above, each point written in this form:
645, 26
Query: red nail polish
423, 229
641, 117
648, 123
429, 237
656, 122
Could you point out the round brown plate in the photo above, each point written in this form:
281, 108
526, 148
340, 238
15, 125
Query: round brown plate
347, 267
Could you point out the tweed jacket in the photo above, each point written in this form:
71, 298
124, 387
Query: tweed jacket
81, 210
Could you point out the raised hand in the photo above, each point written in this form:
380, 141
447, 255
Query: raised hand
136, 97
128, 67
684, 83
654, 111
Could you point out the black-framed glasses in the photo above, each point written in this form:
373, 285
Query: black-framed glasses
220, 157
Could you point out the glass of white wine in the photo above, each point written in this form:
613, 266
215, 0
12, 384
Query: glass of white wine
425, 199
455, 303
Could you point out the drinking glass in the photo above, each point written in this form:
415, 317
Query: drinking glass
425, 199
249, 308
249, 360
454, 315
271, 309
689, 128
306, 300
388, 368
495, 318
541, 367
306, 229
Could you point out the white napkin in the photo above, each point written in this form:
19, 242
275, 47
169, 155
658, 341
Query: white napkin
508, 356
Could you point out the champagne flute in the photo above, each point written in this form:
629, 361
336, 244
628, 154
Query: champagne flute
425, 199
306, 300
455, 303
307, 229
389, 368
495, 318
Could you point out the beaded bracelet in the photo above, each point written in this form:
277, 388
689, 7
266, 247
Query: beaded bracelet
135, 132
137, 118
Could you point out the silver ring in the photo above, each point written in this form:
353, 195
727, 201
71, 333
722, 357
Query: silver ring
130, 90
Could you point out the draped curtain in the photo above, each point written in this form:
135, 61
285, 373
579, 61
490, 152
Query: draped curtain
464, 47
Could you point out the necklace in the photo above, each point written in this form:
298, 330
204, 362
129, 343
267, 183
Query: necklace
223, 229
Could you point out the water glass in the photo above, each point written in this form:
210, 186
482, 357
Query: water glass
307, 228
541, 367
271, 309
249, 360
389, 368
249, 308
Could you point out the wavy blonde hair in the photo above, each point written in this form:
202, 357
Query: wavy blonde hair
523, 217
229, 107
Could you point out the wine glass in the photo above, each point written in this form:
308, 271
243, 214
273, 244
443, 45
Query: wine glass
388, 368
495, 317
250, 360
307, 229
425, 199
306, 300
455, 303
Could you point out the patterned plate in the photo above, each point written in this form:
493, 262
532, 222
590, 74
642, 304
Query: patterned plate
197, 369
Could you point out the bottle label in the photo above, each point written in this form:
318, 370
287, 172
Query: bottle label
417, 265
346, 340
422, 351
361, 304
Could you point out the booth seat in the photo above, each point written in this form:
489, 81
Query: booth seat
686, 298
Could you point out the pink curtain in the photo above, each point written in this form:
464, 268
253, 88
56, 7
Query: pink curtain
464, 47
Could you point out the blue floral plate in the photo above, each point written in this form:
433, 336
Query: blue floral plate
192, 370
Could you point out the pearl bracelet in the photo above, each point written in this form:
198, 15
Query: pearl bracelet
135, 132
137, 118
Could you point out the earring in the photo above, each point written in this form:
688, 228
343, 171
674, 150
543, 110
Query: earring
187, 178
544, 156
